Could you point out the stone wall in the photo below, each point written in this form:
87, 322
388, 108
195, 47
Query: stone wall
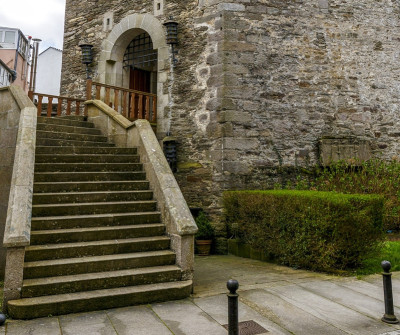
259, 83
9, 121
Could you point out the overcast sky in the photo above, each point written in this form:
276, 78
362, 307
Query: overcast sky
42, 19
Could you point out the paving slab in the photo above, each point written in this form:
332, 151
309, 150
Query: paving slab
363, 287
347, 297
212, 273
43, 326
287, 315
185, 318
94, 323
137, 320
338, 315
217, 308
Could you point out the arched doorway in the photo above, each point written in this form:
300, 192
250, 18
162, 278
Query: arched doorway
112, 69
140, 61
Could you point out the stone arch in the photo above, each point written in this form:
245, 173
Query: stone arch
110, 67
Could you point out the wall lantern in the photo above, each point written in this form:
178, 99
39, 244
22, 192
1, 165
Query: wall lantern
172, 36
87, 56
169, 146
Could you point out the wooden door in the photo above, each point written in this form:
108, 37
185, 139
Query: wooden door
139, 80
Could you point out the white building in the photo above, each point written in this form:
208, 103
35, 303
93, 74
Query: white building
48, 75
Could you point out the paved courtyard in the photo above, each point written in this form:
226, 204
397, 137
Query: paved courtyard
279, 299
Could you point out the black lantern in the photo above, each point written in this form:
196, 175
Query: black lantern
169, 146
172, 31
87, 56
172, 36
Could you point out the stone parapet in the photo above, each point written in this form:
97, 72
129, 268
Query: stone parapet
21, 121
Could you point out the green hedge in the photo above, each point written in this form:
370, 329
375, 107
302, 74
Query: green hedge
323, 231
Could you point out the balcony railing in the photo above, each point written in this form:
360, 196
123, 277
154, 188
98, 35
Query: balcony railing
130, 103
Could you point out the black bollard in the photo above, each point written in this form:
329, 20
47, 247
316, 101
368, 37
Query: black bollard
233, 307
389, 316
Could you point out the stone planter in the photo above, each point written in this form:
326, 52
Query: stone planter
203, 247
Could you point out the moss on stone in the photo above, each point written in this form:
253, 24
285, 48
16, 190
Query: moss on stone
189, 165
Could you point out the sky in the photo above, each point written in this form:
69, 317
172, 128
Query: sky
42, 19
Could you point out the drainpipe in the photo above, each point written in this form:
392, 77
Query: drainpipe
26, 62
37, 41
16, 52
32, 65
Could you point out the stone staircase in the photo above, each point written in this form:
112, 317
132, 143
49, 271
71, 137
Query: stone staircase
96, 237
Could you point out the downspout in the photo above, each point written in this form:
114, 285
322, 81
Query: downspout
16, 53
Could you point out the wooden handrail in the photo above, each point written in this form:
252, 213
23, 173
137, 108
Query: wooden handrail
122, 89
132, 104
61, 99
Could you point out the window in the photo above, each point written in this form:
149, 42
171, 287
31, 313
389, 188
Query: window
22, 46
1, 36
140, 52
9, 37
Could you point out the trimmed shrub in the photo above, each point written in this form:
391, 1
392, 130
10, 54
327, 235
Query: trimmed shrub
322, 231
374, 176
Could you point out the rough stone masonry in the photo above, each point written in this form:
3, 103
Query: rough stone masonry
261, 86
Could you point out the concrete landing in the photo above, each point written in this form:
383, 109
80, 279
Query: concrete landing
280, 299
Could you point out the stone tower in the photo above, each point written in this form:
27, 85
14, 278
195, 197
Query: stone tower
260, 87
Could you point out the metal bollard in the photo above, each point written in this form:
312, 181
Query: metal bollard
389, 316
233, 307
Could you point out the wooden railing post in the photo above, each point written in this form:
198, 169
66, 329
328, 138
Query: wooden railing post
78, 104
107, 100
98, 88
39, 106
154, 109
116, 100
68, 107
140, 106
89, 84
133, 109
59, 106
124, 104
49, 107
147, 108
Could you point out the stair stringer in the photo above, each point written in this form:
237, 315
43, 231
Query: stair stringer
175, 213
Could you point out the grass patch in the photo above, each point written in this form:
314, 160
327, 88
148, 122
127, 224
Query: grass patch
390, 251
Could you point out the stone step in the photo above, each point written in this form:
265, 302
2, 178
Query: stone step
79, 265
95, 248
78, 150
93, 208
87, 158
29, 308
88, 176
67, 129
86, 221
87, 167
72, 117
99, 280
39, 237
91, 186
65, 121
60, 142
77, 197
40, 134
